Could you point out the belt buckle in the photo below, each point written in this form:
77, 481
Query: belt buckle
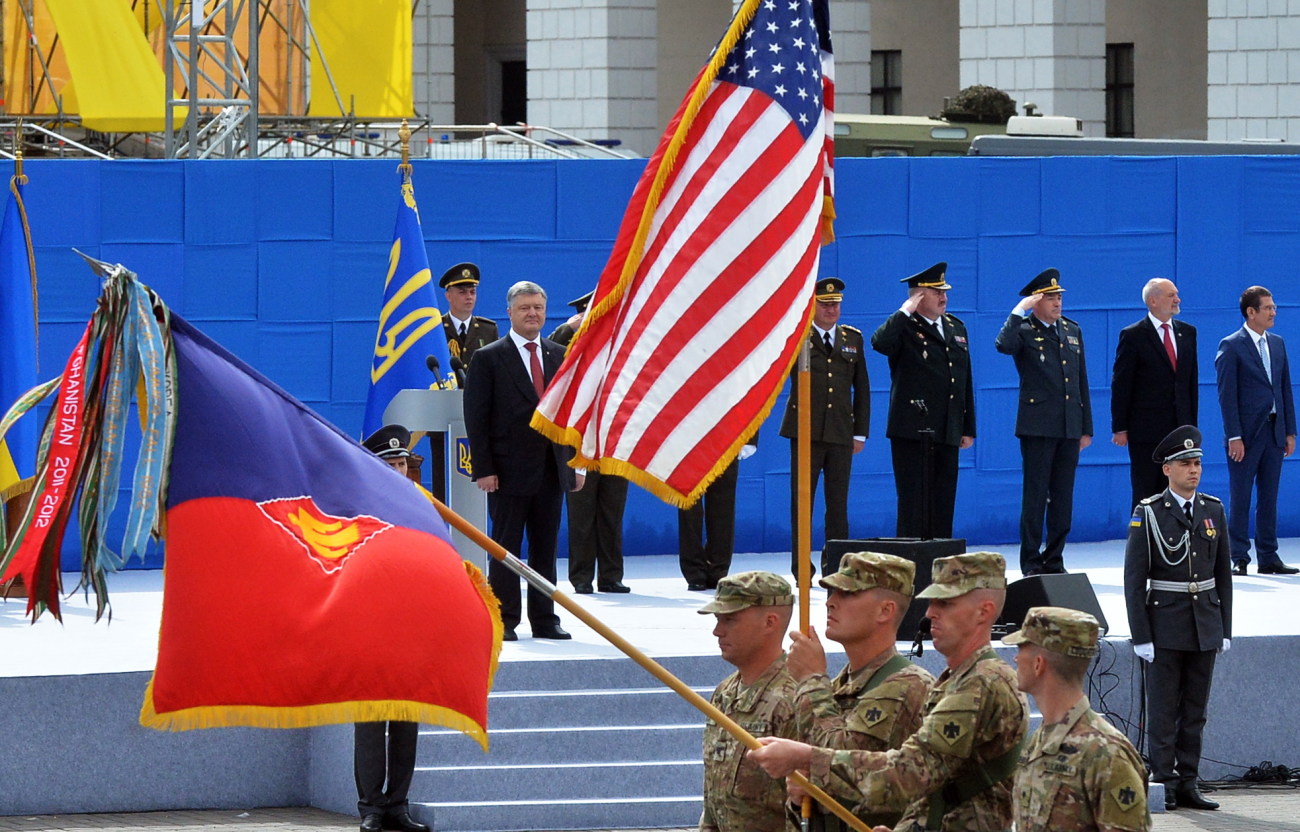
1193, 587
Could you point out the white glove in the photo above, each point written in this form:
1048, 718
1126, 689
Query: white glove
746, 451
1145, 652
1227, 645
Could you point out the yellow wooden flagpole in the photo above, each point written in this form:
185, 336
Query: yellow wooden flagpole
803, 519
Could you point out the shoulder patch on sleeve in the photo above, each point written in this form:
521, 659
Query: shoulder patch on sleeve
1123, 805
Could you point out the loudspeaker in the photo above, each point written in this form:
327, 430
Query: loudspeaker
1072, 591
918, 551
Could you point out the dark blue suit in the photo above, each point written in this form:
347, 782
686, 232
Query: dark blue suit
1262, 413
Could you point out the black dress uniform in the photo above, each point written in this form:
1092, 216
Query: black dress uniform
595, 512
841, 410
930, 390
464, 338
1178, 591
1055, 412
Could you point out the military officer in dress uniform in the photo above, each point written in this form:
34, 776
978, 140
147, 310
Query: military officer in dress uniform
1078, 773
1178, 590
840, 412
931, 402
1054, 421
753, 612
564, 333
466, 332
875, 702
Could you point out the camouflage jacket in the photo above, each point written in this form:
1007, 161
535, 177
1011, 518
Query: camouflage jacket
974, 714
738, 795
836, 713
1081, 775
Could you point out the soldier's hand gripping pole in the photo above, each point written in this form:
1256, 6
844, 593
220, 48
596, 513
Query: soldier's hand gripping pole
655, 669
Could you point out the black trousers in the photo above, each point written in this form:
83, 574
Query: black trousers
835, 461
538, 516
383, 762
1178, 689
1145, 476
1048, 490
706, 532
596, 530
910, 464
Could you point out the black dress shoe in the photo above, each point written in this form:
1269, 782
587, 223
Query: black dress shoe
582, 589
403, 822
1279, 569
617, 586
1171, 802
1239, 567
372, 823
1191, 797
557, 632
696, 586
508, 635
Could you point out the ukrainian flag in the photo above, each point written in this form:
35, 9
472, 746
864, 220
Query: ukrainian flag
18, 358
410, 323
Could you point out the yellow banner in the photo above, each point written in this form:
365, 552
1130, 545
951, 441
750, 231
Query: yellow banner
366, 48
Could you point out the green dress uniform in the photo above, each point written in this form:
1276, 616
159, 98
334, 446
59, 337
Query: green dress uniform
479, 332
841, 410
1081, 775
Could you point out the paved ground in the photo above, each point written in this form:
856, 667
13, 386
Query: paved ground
1248, 810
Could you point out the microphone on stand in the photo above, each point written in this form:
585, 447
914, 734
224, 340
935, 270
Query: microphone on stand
458, 367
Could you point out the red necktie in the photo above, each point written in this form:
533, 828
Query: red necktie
1169, 347
535, 366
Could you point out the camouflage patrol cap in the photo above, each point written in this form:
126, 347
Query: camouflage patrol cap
749, 589
959, 574
1068, 632
868, 570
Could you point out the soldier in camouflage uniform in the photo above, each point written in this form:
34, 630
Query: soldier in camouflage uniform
1078, 773
753, 613
875, 701
954, 773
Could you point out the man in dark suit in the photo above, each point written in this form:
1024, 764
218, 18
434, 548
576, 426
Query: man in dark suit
930, 392
1259, 425
524, 474
1178, 591
706, 532
840, 412
1054, 420
1153, 387
465, 331
595, 512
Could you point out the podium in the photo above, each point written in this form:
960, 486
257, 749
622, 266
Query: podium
441, 414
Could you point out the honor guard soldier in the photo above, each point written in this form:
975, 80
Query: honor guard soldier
466, 332
1054, 421
875, 702
564, 333
840, 413
954, 774
753, 612
931, 402
1078, 773
1178, 591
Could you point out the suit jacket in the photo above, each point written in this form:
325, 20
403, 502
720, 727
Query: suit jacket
499, 404
1245, 394
841, 395
1054, 400
1178, 620
926, 367
480, 332
1148, 398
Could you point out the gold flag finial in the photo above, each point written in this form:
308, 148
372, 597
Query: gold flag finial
404, 133
19, 176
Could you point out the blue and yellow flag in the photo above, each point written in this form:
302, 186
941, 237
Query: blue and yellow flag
18, 358
410, 323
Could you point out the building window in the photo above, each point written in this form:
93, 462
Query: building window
1119, 90
886, 83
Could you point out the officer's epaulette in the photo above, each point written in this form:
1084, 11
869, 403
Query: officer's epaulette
1211, 498
1069, 320
1154, 498
482, 319
953, 317
851, 328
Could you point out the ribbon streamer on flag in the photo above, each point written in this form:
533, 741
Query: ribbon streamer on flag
706, 296
18, 322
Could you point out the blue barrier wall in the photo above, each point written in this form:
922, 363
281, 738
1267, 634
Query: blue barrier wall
283, 262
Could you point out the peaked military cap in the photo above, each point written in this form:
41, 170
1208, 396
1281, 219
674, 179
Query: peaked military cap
461, 274
867, 570
830, 289
389, 442
1068, 632
934, 277
959, 574
1181, 443
581, 303
749, 589
1048, 282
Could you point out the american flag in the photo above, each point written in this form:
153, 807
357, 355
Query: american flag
708, 291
